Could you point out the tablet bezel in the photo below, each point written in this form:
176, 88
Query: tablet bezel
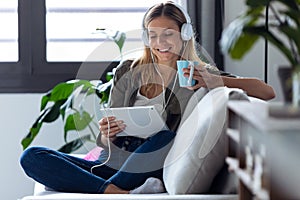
146, 115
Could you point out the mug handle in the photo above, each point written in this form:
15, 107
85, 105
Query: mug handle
191, 64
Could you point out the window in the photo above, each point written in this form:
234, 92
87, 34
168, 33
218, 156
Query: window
48, 41
9, 31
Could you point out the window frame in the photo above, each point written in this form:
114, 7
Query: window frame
32, 73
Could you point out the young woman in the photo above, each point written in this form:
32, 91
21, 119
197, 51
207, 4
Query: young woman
127, 163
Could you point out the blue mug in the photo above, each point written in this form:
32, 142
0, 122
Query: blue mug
186, 81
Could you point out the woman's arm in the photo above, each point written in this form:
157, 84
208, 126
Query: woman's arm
117, 98
252, 86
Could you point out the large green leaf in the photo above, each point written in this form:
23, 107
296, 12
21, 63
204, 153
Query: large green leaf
103, 91
74, 144
262, 31
243, 45
291, 4
257, 3
85, 84
234, 40
68, 105
45, 100
48, 115
53, 112
295, 15
34, 130
292, 34
62, 91
77, 121
65, 89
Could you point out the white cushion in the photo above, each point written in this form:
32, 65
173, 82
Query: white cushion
198, 152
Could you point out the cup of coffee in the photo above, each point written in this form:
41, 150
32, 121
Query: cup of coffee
186, 81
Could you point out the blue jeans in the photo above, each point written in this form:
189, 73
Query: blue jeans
63, 172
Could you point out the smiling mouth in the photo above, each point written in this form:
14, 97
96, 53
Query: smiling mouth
164, 50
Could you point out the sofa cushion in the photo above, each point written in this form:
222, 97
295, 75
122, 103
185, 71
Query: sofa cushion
198, 152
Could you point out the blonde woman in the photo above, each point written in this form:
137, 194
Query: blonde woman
135, 164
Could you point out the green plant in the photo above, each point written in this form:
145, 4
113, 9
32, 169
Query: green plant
283, 24
60, 103
66, 101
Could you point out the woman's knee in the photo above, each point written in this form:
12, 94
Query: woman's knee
162, 139
164, 135
29, 156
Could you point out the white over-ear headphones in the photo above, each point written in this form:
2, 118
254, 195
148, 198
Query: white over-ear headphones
186, 28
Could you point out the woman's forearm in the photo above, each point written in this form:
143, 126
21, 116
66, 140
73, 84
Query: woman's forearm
252, 86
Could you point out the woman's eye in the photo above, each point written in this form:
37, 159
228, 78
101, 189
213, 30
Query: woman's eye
152, 36
168, 34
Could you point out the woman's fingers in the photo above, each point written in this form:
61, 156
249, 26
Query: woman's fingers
109, 126
200, 74
203, 78
111, 132
198, 71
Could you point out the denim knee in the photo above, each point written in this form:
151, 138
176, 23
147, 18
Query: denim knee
162, 138
29, 158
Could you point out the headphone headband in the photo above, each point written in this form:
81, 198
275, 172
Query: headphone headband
186, 28
186, 15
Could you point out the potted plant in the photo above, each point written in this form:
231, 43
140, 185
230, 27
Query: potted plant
66, 101
282, 30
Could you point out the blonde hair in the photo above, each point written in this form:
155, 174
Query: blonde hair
146, 70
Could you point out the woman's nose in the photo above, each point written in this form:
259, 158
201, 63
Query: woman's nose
161, 39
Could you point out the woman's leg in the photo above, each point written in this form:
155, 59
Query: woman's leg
146, 161
63, 172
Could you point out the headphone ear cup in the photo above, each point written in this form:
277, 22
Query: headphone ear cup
186, 31
145, 38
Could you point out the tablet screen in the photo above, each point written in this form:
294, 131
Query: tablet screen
141, 121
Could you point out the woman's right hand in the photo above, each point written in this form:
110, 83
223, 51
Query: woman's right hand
110, 127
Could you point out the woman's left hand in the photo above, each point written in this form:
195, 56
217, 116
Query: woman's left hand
203, 78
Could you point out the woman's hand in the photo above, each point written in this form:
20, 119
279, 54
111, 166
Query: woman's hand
109, 127
252, 86
203, 78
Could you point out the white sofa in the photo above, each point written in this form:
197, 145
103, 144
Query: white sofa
41, 194
197, 166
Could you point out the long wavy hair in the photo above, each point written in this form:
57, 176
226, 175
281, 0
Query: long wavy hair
144, 66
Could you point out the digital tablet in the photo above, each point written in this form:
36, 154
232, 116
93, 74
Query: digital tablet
141, 121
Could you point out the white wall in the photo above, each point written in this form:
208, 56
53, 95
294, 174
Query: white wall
18, 112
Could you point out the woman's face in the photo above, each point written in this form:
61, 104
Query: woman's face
164, 39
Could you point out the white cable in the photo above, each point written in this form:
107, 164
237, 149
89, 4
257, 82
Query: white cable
183, 51
108, 145
165, 103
